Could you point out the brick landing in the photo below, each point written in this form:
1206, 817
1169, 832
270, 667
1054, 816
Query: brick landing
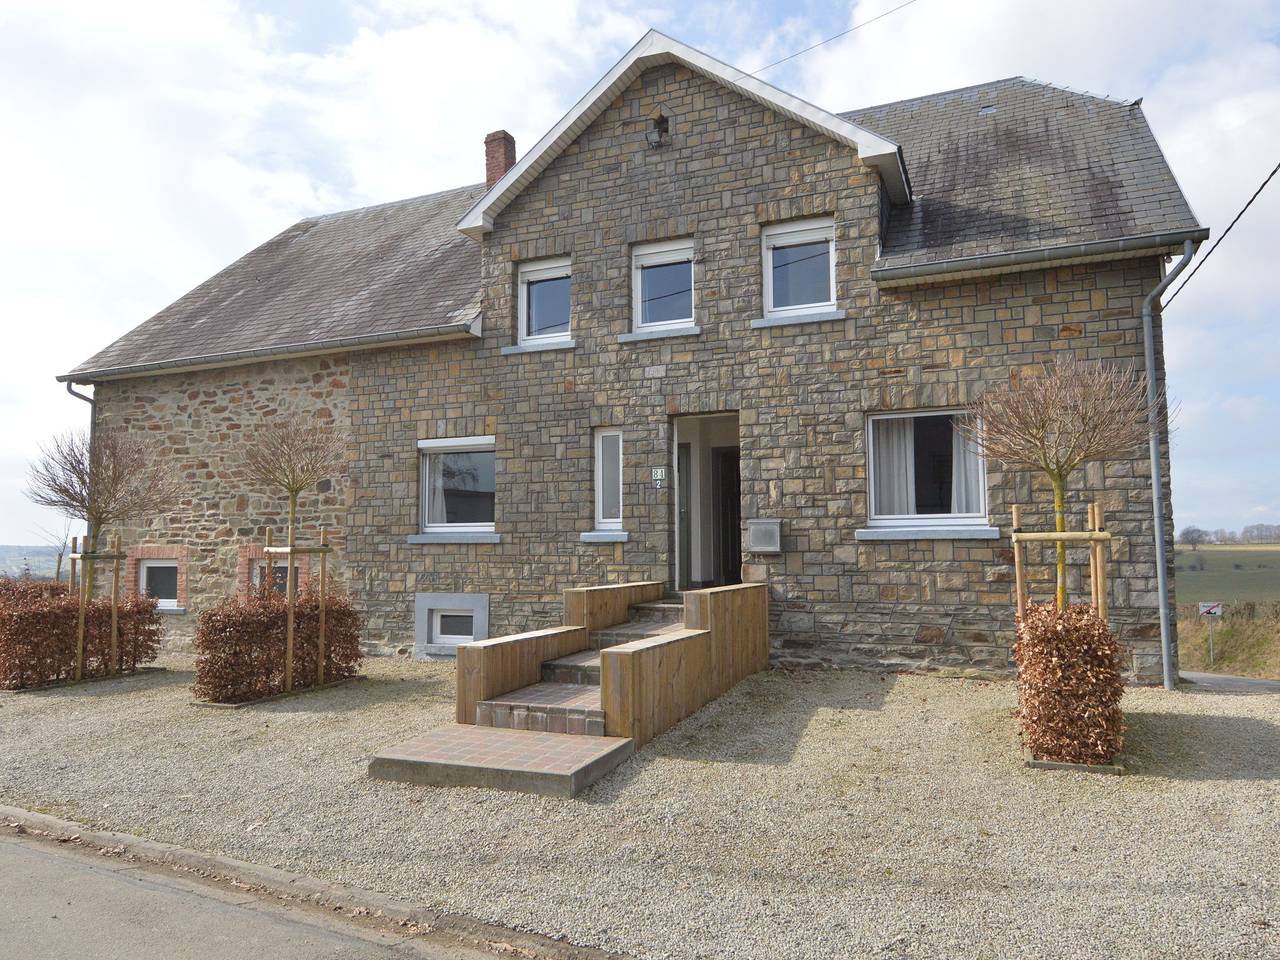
460, 755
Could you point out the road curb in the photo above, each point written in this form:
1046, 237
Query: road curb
295, 886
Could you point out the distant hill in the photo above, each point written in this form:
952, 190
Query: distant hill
15, 558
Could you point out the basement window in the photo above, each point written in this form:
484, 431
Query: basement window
923, 471
452, 626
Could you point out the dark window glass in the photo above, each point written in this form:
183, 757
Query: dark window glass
461, 487
455, 625
802, 274
933, 456
666, 293
162, 582
279, 583
547, 307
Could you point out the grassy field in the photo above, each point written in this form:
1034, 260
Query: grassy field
1238, 572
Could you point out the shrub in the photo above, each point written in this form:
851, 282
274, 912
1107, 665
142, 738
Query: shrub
38, 623
1069, 685
240, 645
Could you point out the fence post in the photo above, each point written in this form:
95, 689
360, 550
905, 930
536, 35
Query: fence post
115, 605
71, 571
290, 596
85, 579
324, 542
1018, 575
1099, 516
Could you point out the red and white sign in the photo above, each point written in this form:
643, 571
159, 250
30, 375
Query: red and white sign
1211, 609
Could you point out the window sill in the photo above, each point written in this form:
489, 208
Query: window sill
566, 344
171, 611
437, 650
470, 536
605, 536
795, 319
658, 333
976, 532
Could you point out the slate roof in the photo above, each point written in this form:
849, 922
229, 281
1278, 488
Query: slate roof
373, 274
1018, 164
995, 168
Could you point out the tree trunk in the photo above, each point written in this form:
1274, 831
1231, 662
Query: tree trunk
1060, 524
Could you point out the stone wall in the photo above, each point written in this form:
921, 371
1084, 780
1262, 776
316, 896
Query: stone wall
802, 394
200, 423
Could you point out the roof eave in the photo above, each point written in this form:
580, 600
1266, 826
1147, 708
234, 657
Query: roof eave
655, 49
993, 264
456, 330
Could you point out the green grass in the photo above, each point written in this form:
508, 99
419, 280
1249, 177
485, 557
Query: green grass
1229, 572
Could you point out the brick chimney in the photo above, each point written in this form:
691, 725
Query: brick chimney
499, 156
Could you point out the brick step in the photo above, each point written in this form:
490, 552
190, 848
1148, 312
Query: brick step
658, 611
551, 707
625, 632
583, 668
550, 764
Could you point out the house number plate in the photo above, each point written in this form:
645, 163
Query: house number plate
659, 477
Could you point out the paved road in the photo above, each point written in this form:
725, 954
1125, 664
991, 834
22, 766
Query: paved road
61, 902
1222, 683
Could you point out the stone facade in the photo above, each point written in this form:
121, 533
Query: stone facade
200, 423
802, 394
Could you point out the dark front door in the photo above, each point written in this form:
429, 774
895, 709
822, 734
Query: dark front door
727, 504
683, 493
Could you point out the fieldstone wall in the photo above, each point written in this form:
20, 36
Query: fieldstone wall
200, 423
802, 394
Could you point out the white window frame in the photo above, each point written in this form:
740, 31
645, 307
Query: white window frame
439, 636
603, 523
551, 269
787, 235
657, 255
144, 566
917, 519
426, 448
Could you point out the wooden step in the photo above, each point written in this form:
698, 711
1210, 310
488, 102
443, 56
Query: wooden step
551, 707
550, 764
583, 668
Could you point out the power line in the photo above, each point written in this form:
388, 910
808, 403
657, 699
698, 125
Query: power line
1224, 233
856, 26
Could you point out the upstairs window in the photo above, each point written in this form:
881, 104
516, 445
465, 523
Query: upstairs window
799, 267
608, 480
543, 306
662, 284
459, 482
923, 471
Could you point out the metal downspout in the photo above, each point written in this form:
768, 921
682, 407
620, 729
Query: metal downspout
93, 426
1157, 478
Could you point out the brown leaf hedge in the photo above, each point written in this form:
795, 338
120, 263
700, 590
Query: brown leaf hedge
38, 623
240, 645
1069, 685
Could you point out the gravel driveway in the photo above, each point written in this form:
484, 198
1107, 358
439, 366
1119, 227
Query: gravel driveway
803, 815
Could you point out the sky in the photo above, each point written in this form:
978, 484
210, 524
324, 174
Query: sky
149, 144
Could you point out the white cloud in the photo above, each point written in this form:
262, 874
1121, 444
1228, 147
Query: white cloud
150, 143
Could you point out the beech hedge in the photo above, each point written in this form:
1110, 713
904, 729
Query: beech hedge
240, 645
38, 622
1069, 685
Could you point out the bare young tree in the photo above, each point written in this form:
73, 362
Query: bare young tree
1075, 413
60, 540
114, 479
293, 453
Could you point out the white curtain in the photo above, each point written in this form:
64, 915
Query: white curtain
966, 475
435, 490
895, 466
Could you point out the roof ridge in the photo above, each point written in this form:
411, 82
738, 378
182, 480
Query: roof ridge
390, 203
1107, 98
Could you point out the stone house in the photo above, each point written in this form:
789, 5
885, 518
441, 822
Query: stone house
703, 330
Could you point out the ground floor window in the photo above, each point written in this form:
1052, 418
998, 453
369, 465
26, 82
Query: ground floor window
608, 479
923, 470
159, 579
458, 479
278, 582
452, 626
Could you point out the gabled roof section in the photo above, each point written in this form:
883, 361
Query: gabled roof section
393, 273
656, 49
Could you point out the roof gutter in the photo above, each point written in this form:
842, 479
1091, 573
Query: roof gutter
457, 330
1036, 257
1157, 477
